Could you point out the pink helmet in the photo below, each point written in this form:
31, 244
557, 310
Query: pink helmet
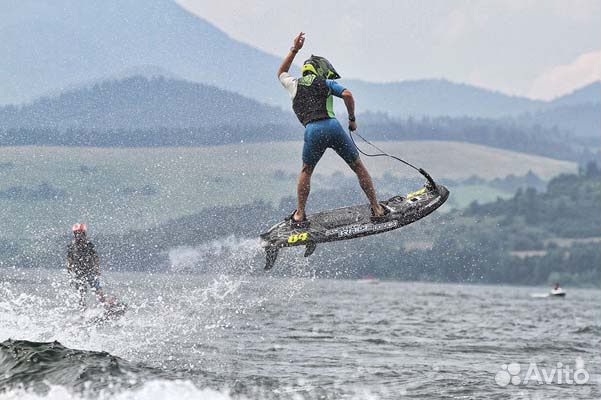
79, 228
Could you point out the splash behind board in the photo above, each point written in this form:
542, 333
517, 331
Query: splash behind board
113, 310
352, 222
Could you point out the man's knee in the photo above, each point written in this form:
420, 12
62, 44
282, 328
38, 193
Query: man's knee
357, 165
307, 169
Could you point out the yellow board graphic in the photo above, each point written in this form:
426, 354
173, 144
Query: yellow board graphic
298, 236
416, 193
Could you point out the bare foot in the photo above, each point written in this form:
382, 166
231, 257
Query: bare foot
378, 211
298, 217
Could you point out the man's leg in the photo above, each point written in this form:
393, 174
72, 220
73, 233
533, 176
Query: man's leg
100, 295
346, 149
94, 282
82, 291
314, 146
367, 185
303, 188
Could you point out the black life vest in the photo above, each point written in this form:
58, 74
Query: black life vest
83, 256
313, 100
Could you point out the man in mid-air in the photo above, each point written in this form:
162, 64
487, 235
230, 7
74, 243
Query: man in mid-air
312, 103
83, 265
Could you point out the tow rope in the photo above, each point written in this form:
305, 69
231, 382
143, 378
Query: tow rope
382, 153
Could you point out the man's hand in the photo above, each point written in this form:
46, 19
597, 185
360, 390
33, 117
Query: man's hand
352, 126
298, 42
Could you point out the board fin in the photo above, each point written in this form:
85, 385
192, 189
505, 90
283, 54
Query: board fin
310, 248
271, 254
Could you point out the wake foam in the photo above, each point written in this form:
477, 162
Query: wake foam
176, 322
161, 389
152, 390
34, 370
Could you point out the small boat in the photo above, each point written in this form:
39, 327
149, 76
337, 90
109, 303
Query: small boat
557, 292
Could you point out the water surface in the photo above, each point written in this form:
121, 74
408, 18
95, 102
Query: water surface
258, 336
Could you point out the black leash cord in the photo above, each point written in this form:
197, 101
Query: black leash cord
384, 154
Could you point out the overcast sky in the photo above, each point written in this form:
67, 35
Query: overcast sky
535, 48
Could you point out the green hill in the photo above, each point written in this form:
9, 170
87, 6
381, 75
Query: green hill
143, 205
156, 106
569, 208
154, 112
44, 189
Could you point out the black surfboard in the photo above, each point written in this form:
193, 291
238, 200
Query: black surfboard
352, 222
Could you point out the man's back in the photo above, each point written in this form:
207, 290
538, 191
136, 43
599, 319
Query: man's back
82, 256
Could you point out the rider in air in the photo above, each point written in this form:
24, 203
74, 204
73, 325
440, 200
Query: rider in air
312, 103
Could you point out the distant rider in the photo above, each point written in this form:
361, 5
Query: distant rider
312, 102
83, 265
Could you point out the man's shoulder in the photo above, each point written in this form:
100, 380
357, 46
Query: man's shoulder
73, 245
289, 83
335, 86
286, 77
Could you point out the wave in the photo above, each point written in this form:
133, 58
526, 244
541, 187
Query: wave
172, 332
51, 371
594, 329
36, 365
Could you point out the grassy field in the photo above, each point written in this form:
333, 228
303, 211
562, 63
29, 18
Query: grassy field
43, 190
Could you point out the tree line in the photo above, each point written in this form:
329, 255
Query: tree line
478, 244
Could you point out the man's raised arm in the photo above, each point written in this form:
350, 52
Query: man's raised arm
297, 44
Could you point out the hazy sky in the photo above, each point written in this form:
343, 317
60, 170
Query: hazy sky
534, 48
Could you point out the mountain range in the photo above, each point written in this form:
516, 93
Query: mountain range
588, 94
142, 103
156, 111
48, 47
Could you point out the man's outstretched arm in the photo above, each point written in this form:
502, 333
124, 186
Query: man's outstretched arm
297, 44
349, 102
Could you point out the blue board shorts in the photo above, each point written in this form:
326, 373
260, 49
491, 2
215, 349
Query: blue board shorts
327, 133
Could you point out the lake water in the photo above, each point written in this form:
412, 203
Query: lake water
258, 336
